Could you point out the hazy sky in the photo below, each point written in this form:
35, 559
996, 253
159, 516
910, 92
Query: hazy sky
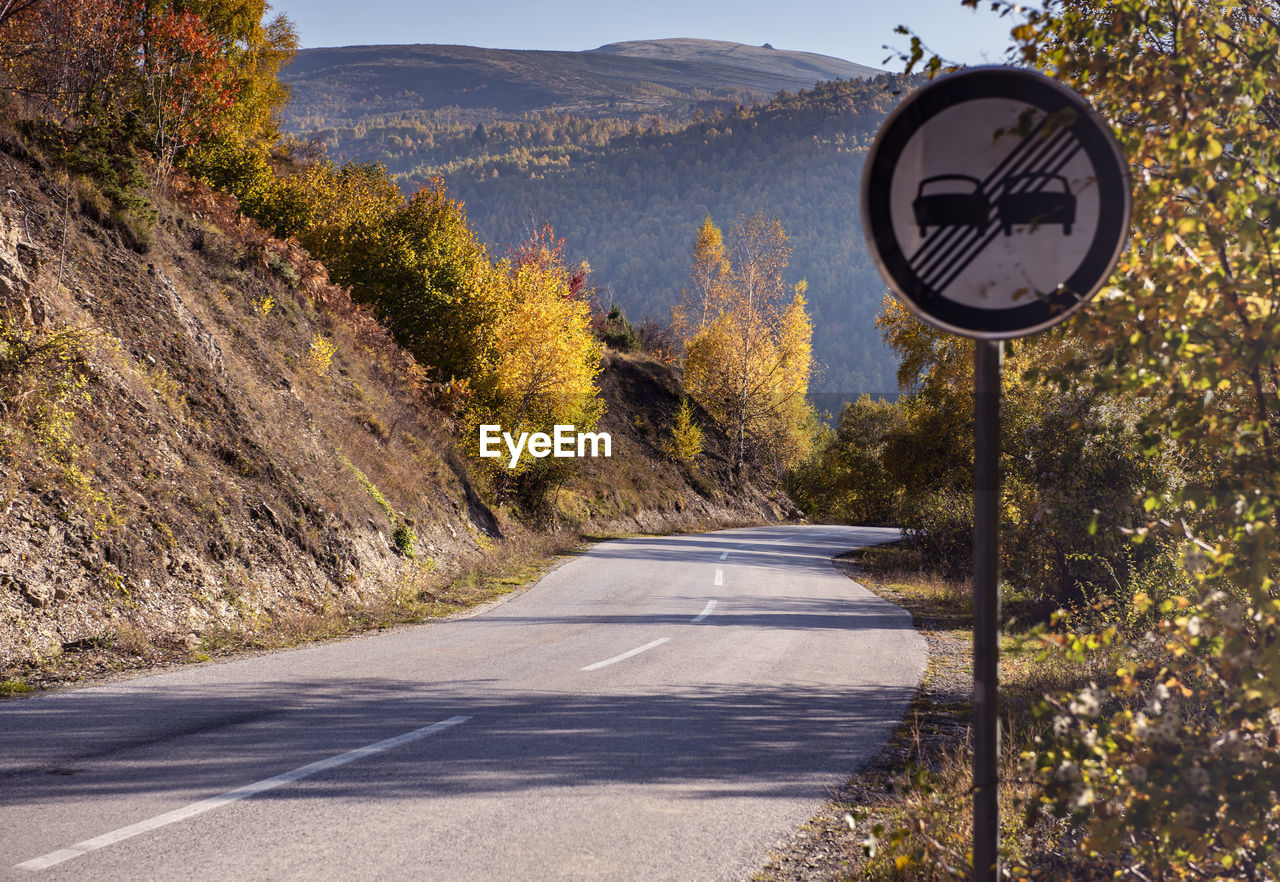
855, 30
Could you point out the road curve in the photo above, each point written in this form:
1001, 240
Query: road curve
660, 708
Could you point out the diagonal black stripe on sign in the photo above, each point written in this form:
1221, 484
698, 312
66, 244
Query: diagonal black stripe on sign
961, 266
1013, 156
1045, 163
960, 237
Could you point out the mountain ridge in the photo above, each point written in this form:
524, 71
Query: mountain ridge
672, 76
733, 54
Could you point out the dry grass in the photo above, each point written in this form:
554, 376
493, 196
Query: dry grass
910, 815
419, 595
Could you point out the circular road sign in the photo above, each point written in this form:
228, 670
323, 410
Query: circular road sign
995, 202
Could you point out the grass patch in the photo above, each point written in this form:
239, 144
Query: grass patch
908, 815
421, 594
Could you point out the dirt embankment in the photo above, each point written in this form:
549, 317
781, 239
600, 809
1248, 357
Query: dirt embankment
204, 436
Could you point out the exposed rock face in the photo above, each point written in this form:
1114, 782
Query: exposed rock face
18, 257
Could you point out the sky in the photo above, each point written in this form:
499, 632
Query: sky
855, 30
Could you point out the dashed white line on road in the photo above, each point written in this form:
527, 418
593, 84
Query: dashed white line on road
719, 576
626, 655
54, 858
706, 611
723, 555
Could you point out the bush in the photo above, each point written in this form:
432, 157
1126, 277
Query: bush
844, 479
685, 444
404, 539
940, 525
618, 332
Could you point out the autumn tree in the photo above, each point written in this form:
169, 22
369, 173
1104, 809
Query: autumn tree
190, 81
539, 364
13, 8
1171, 766
237, 158
188, 87
708, 277
426, 276
66, 57
748, 364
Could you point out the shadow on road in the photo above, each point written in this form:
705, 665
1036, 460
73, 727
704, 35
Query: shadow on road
774, 612
731, 740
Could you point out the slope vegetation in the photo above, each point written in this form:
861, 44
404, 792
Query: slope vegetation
205, 444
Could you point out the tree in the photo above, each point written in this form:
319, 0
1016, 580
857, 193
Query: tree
748, 365
188, 85
708, 277
71, 55
1174, 764
427, 278
13, 8
539, 365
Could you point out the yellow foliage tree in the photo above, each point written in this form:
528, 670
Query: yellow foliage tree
539, 366
708, 279
749, 362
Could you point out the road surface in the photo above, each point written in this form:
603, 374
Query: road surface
662, 708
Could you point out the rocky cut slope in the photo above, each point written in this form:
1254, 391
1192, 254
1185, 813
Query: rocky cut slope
200, 436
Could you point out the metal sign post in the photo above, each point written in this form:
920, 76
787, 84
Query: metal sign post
986, 607
995, 203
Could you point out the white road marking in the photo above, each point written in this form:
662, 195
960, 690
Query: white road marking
626, 655
198, 808
723, 555
719, 576
711, 604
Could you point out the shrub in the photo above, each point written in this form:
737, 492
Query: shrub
320, 354
618, 332
685, 444
940, 525
404, 538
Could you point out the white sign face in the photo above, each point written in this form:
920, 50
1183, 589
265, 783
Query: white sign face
995, 202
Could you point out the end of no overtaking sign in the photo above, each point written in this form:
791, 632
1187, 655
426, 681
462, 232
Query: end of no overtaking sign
995, 202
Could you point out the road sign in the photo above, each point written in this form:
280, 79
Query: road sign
995, 202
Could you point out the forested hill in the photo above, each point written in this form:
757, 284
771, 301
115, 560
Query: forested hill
628, 194
631, 208
354, 84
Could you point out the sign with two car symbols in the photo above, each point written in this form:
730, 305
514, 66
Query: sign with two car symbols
995, 202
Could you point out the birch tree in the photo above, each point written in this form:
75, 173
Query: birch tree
749, 362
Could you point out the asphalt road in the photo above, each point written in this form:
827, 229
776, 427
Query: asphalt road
656, 708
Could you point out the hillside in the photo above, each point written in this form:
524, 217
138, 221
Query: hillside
806, 68
352, 84
205, 445
632, 207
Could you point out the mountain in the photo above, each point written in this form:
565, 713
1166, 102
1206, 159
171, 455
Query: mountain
805, 68
631, 209
555, 137
348, 84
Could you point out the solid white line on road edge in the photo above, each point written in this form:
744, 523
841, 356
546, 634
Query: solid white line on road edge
711, 604
198, 808
723, 555
626, 655
719, 576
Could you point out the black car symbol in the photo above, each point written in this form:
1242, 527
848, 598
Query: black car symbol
951, 201
1036, 198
